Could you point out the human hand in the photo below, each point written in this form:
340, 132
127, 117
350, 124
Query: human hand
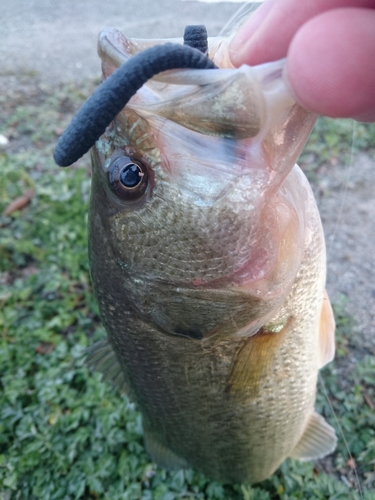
330, 50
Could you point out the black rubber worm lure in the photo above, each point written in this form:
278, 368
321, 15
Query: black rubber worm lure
114, 93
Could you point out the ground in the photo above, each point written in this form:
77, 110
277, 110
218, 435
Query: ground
45, 44
345, 196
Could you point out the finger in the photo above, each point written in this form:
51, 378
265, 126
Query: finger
330, 64
266, 35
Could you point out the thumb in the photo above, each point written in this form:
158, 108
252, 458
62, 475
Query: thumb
330, 64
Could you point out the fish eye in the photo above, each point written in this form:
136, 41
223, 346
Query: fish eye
128, 178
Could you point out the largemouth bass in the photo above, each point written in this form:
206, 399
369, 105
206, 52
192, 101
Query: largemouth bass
207, 259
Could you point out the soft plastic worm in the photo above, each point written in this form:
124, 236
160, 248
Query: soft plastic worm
195, 36
114, 93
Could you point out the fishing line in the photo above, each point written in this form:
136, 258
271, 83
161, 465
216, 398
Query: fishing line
232, 22
329, 249
341, 433
346, 183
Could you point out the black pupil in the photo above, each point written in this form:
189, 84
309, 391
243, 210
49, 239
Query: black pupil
130, 175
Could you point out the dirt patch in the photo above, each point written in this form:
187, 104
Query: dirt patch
345, 196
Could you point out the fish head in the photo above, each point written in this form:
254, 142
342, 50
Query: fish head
194, 196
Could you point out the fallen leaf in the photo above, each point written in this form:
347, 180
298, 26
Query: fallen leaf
45, 348
370, 477
351, 463
58, 131
19, 202
29, 270
369, 401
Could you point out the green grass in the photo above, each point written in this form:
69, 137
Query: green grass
63, 433
334, 141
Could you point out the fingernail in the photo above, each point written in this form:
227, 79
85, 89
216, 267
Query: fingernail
241, 41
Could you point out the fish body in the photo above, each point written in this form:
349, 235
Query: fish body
210, 272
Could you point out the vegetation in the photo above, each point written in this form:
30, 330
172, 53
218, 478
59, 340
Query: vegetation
64, 434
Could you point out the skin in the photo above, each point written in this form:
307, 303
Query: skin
330, 49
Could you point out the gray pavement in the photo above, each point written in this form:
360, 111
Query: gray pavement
57, 39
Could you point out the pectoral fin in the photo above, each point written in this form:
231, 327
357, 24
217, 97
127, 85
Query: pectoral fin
254, 359
327, 332
102, 359
318, 440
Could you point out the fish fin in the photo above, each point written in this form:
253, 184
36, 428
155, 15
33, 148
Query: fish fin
327, 332
318, 440
161, 454
254, 359
101, 358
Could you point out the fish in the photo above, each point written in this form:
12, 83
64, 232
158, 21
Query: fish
208, 263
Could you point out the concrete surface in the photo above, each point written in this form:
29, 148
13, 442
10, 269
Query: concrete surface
57, 39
